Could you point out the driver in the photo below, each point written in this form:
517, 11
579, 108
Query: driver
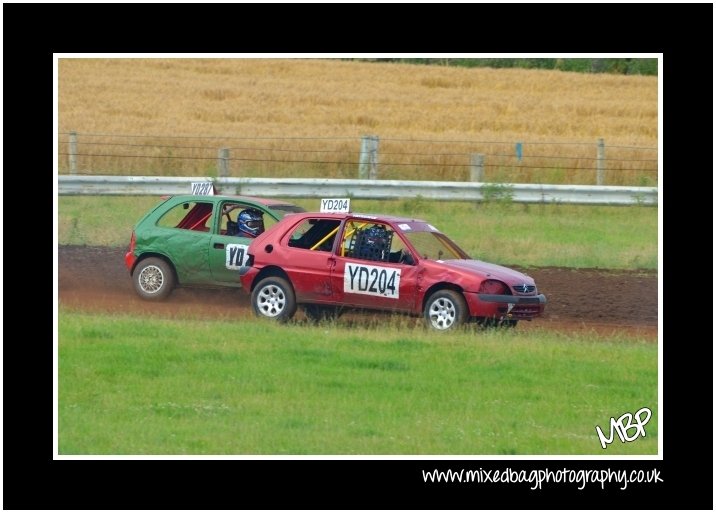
376, 243
251, 223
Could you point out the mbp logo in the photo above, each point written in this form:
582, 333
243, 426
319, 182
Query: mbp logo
623, 424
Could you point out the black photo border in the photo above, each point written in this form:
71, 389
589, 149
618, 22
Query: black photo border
33, 33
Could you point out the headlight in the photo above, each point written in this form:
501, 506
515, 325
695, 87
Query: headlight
493, 287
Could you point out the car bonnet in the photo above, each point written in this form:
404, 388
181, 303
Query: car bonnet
509, 276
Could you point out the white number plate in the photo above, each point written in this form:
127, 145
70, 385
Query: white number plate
236, 256
336, 205
372, 280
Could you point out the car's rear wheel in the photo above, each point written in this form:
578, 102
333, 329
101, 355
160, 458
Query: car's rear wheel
153, 279
273, 298
445, 310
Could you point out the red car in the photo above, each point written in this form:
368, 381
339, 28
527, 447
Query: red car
327, 261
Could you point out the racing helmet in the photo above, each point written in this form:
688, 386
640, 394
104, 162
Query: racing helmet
377, 236
251, 223
374, 243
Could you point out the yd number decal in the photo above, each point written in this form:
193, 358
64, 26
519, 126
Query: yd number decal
372, 280
236, 255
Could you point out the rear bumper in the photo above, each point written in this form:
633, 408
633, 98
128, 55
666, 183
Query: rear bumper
247, 275
505, 306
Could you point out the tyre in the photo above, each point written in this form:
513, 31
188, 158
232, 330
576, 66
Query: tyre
445, 310
153, 279
273, 298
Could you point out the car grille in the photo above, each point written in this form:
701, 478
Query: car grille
524, 288
522, 311
525, 311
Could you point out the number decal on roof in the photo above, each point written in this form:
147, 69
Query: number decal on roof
202, 188
336, 205
372, 280
236, 256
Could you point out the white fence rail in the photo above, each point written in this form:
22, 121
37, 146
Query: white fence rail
364, 189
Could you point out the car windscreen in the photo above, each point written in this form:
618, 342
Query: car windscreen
434, 246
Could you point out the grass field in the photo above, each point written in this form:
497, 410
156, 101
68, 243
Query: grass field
307, 101
155, 386
526, 235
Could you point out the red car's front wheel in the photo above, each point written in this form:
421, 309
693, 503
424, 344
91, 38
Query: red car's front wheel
273, 298
445, 310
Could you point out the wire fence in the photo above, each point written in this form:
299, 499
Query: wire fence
576, 163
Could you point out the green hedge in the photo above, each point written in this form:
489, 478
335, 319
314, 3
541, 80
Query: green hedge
622, 66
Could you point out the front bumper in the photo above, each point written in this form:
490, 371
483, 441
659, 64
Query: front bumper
503, 306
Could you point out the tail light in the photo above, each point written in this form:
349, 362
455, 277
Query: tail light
493, 287
129, 257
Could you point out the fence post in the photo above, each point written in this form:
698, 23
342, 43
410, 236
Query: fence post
374, 158
600, 161
368, 162
73, 153
223, 162
477, 167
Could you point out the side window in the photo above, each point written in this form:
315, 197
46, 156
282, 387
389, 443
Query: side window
372, 241
314, 234
258, 221
191, 215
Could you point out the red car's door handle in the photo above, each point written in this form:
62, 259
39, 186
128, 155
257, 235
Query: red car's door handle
218, 245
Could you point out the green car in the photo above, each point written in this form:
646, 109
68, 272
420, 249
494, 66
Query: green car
197, 240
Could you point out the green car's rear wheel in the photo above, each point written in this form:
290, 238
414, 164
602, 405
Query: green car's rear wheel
153, 279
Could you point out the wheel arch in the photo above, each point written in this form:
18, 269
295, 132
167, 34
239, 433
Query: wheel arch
151, 254
269, 271
439, 286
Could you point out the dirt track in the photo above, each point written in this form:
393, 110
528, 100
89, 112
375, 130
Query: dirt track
94, 279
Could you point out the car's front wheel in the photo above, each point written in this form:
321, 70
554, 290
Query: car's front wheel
153, 279
445, 310
273, 298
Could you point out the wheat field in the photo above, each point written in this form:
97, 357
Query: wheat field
410, 107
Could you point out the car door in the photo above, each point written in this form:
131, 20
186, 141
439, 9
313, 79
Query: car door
307, 258
228, 249
367, 271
